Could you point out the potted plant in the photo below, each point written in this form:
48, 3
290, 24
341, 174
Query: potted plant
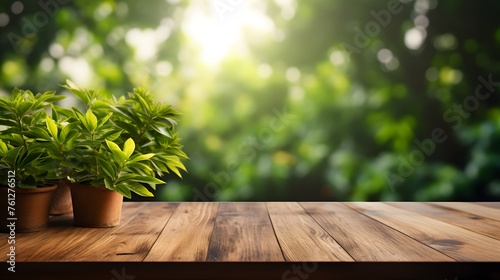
57, 143
111, 155
151, 125
28, 174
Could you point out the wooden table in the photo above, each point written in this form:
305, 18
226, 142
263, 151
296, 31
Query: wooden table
285, 240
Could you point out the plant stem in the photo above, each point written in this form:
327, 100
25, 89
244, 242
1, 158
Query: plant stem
95, 158
146, 128
19, 122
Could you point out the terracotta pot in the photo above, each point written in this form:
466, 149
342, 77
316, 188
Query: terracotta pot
31, 208
61, 200
95, 206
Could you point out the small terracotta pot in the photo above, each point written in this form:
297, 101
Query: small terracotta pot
95, 206
61, 200
31, 209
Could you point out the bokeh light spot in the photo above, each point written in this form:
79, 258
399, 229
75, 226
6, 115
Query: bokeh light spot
445, 42
4, 19
432, 74
17, 7
384, 55
414, 38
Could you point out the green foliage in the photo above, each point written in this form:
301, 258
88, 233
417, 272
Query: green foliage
125, 173
22, 114
88, 147
352, 116
152, 126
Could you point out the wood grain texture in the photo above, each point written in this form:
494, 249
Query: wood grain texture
454, 241
366, 239
130, 241
490, 204
476, 209
272, 232
462, 219
243, 232
62, 238
186, 235
300, 237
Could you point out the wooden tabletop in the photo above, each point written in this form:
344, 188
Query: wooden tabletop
274, 232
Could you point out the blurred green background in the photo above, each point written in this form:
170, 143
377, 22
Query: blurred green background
288, 99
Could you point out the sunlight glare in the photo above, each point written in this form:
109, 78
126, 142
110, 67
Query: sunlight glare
218, 37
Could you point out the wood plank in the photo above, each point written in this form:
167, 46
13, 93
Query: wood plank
186, 235
300, 237
366, 239
454, 241
130, 242
62, 237
274, 231
243, 232
465, 220
472, 208
490, 204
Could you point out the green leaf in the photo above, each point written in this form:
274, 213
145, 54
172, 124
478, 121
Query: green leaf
23, 108
123, 190
107, 168
52, 127
28, 183
139, 189
129, 147
127, 177
174, 169
28, 158
55, 114
38, 133
76, 91
149, 180
139, 166
108, 184
81, 117
129, 114
141, 157
91, 120
111, 135
132, 130
51, 97
102, 121
11, 157
62, 111
70, 84
71, 141
145, 104
100, 104
160, 167
112, 146
7, 122
3, 147
117, 152
163, 131
66, 130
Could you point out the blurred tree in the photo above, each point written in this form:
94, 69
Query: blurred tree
322, 100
